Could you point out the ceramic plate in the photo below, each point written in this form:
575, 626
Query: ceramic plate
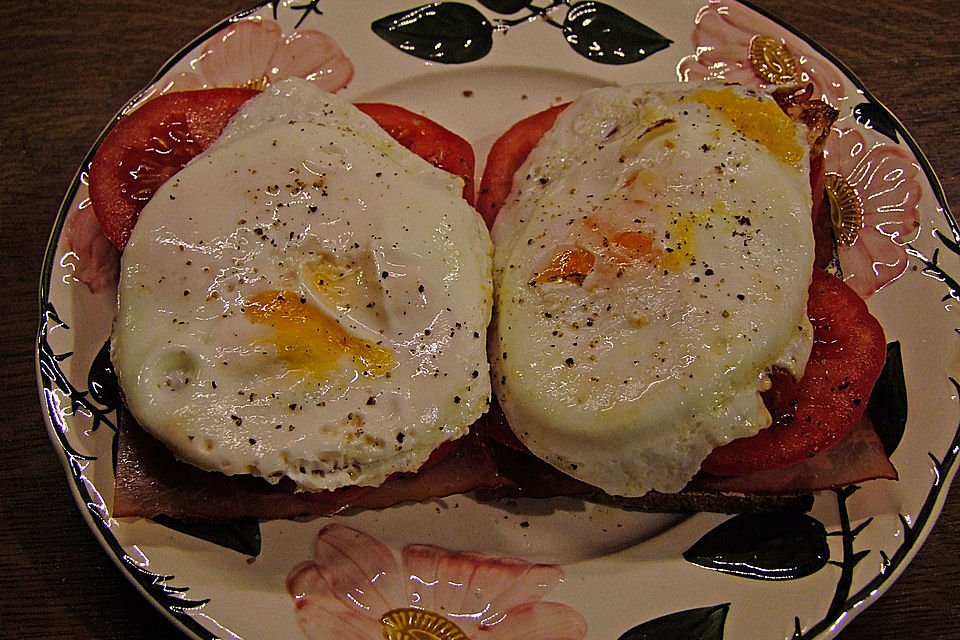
581, 570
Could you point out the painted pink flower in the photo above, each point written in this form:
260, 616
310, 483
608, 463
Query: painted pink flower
353, 580
722, 37
253, 53
93, 258
885, 178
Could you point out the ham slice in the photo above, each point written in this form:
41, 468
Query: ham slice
150, 482
798, 102
491, 461
856, 458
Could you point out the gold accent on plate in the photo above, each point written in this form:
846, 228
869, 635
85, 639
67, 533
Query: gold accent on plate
418, 624
256, 83
772, 61
846, 208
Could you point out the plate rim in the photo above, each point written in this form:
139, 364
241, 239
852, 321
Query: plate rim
927, 513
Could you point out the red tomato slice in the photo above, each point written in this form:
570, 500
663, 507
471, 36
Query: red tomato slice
154, 142
512, 148
437, 145
849, 350
150, 145
809, 416
506, 156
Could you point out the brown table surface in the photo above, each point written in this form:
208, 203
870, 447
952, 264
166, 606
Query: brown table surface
66, 67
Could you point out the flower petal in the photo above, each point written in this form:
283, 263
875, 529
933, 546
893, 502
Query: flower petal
97, 261
722, 37
473, 586
238, 54
878, 262
312, 55
186, 81
885, 178
360, 569
321, 614
537, 621
890, 194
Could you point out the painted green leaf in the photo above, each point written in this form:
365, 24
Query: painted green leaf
874, 116
505, 6
888, 402
447, 32
598, 31
241, 535
763, 546
102, 380
705, 623
167, 596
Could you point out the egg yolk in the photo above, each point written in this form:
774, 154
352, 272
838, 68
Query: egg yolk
333, 281
618, 250
636, 246
763, 122
569, 265
309, 341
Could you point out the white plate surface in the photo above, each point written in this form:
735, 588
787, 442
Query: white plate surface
620, 569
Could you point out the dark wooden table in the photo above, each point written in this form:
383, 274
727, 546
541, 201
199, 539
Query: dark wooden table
66, 67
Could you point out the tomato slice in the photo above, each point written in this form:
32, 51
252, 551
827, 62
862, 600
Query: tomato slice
437, 145
810, 415
505, 157
512, 148
154, 142
150, 145
849, 344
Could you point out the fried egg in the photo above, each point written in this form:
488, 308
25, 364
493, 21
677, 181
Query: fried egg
306, 299
651, 266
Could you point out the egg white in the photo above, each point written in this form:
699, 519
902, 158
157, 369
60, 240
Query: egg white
306, 299
651, 264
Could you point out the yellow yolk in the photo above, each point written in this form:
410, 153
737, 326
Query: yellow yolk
681, 241
763, 122
637, 245
628, 247
333, 281
571, 264
307, 340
